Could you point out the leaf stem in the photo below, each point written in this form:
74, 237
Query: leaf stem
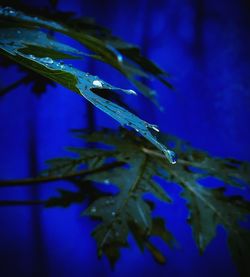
46, 179
13, 85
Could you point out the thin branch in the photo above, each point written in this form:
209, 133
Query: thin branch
46, 179
21, 202
13, 85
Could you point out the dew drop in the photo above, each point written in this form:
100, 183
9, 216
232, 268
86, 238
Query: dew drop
120, 58
106, 181
113, 213
47, 60
137, 130
31, 57
171, 156
93, 210
154, 127
130, 91
7, 11
97, 83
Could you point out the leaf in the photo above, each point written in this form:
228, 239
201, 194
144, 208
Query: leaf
85, 84
208, 207
107, 48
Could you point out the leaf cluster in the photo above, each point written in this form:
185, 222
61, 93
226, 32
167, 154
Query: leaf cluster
145, 171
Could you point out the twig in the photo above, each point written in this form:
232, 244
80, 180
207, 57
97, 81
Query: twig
21, 202
46, 179
13, 85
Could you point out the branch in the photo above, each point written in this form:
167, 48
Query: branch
13, 85
46, 179
21, 202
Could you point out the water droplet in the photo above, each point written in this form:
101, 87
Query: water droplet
97, 83
137, 130
61, 65
7, 11
106, 181
93, 210
47, 60
171, 156
18, 32
113, 213
107, 202
120, 58
130, 91
31, 57
154, 127
117, 234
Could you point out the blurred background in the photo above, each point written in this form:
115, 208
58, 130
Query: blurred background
204, 45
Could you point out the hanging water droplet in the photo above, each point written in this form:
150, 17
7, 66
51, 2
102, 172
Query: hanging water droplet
171, 156
113, 213
47, 60
93, 210
106, 181
130, 91
97, 83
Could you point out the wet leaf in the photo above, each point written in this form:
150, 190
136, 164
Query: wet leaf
121, 55
13, 45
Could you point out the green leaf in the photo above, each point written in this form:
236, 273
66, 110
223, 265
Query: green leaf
208, 207
107, 48
13, 43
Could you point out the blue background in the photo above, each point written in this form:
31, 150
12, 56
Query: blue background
204, 45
